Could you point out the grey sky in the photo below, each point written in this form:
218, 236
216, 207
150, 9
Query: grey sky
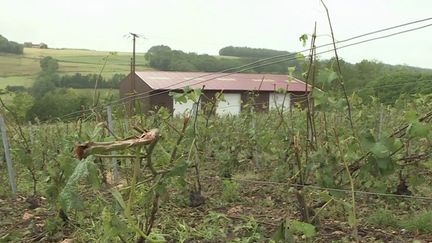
205, 26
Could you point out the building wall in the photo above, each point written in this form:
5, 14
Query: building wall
181, 108
209, 97
298, 99
141, 87
260, 100
230, 105
159, 98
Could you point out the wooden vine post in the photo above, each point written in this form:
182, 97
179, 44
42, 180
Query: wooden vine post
10, 169
114, 160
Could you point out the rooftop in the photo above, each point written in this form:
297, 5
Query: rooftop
159, 80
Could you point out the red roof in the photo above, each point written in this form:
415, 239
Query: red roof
220, 81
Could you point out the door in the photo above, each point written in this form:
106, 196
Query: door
231, 105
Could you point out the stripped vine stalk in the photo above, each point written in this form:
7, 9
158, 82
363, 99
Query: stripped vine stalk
136, 168
95, 94
309, 126
351, 180
340, 78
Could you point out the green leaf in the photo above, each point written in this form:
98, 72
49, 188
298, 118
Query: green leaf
306, 229
418, 129
411, 116
96, 132
417, 180
93, 175
380, 150
179, 169
291, 70
303, 38
384, 166
332, 76
351, 218
69, 197
283, 234
119, 198
300, 57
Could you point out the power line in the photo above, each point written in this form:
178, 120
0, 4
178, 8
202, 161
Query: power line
247, 67
265, 64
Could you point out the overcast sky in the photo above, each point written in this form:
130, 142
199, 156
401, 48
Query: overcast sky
205, 26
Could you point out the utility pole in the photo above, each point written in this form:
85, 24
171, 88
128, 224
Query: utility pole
134, 36
132, 75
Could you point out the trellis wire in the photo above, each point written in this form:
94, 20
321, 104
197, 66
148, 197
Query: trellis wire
323, 188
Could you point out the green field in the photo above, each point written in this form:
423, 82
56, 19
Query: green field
25, 81
104, 94
21, 69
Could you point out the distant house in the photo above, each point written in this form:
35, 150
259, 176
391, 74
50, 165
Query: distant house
152, 88
31, 45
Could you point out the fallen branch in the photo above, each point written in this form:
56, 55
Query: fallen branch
89, 148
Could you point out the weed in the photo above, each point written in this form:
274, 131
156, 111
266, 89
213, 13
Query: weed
230, 191
383, 217
421, 222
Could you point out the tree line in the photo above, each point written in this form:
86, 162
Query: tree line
79, 81
10, 46
164, 58
367, 78
250, 52
376, 79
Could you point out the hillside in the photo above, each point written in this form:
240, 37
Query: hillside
21, 69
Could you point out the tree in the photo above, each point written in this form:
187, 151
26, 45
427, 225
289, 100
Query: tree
10, 46
159, 57
47, 80
59, 101
43, 46
21, 104
49, 64
367, 70
43, 84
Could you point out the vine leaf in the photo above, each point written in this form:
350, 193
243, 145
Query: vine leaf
69, 198
118, 197
417, 129
332, 77
303, 38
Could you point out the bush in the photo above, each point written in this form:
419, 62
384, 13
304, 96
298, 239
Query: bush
59, 101
421, 222
17, 88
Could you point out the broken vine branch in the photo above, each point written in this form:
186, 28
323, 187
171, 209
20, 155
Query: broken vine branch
89, 148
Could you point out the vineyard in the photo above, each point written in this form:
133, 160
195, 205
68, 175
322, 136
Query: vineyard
330, 167
303, 174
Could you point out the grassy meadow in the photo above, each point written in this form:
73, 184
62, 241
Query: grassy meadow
21, 69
